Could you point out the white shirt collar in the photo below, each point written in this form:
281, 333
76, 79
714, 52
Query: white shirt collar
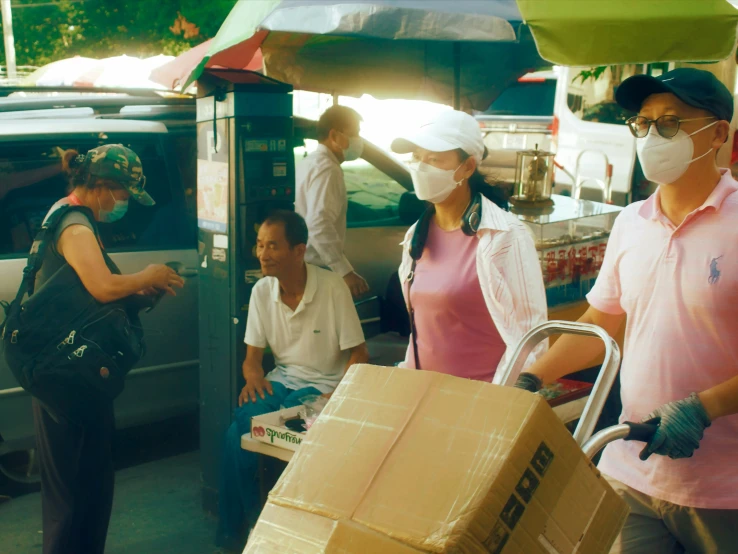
310, 287
323, 150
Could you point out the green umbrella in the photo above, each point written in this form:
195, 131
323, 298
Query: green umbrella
611, 32
465, 50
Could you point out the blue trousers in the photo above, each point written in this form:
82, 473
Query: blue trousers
239, 504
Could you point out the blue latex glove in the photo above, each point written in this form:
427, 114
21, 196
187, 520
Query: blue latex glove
528, 381
681, 425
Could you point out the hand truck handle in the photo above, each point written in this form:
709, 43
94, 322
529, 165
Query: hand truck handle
605, 379
627, 431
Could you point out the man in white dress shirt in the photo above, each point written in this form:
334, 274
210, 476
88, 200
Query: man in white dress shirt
320, 195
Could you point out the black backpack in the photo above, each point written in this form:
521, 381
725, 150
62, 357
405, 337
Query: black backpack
64, 347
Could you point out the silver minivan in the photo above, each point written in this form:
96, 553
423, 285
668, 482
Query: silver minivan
165, 383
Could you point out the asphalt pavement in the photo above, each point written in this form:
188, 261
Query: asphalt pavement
157, 504
156, 510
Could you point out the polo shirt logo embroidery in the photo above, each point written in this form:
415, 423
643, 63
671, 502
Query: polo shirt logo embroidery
316, 331
714, 271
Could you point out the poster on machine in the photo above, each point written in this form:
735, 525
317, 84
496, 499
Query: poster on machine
212, 177
212, 195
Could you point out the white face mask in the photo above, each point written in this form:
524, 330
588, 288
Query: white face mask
665, 160
433, 184
354, 150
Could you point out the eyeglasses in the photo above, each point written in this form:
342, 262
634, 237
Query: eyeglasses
667, 125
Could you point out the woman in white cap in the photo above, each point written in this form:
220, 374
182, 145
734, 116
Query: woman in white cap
470, 272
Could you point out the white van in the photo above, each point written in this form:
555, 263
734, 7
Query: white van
592, 143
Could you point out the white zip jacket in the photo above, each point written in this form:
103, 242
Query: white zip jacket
509, 274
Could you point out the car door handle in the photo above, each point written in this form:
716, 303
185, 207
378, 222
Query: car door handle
181, 270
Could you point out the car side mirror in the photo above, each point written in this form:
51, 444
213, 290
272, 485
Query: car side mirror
410, 208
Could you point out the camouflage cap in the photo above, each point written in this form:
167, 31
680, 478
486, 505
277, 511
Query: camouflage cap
122, 165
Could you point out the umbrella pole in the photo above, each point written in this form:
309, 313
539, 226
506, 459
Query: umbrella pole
457, 75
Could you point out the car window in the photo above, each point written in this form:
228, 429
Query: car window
185, 156
373, 196
591, 93
535, 98
31, 181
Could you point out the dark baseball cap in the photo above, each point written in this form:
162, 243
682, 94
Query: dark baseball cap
695, 87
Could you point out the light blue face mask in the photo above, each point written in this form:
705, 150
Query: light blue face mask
120, 208
354, 150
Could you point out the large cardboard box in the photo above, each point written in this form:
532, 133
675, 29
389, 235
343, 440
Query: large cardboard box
403, 461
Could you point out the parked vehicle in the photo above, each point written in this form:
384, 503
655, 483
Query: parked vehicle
165, 383
589, 134
521, 118
162, 131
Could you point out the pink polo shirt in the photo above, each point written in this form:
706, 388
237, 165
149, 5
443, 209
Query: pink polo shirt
679, 289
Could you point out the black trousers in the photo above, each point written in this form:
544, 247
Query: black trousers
77, 477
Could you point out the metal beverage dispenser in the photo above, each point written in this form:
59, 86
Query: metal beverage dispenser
533, 179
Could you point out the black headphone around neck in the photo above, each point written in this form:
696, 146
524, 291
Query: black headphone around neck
469, 224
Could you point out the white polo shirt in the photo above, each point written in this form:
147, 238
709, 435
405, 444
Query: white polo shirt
310, 345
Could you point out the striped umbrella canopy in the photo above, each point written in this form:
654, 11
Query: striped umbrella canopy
60, 73
122, 71
175, 72
465, 51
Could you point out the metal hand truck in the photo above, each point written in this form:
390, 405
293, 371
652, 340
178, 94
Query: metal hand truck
589, 444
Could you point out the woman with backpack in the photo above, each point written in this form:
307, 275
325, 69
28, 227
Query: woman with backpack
75, 454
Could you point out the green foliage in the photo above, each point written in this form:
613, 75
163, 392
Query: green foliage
48, 30
593, 73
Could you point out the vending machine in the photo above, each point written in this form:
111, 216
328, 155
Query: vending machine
245, 170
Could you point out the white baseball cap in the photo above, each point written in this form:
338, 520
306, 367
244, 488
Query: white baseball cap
449, 130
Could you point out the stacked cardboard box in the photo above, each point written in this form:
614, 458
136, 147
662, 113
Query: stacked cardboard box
404, 461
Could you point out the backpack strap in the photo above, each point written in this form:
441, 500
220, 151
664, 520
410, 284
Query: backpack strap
44, 238
420, 236
417, 244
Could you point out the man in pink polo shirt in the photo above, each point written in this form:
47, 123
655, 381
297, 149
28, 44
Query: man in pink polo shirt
671, 268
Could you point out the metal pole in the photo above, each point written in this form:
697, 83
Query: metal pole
610, 366
9, 40
457, 75
600, 440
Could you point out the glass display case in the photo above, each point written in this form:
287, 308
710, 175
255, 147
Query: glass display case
570, 238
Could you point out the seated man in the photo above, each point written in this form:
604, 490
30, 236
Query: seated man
307, 317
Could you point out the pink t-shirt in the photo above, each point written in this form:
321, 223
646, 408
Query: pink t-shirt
455, 332
679, 289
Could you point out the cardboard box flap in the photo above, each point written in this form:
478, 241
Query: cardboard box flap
352, 438
423, 466
283, 530
428, 462
451, 453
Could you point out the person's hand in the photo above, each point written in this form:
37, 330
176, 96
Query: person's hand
256, 384
356, 284
681, 425
163, 279
528, 381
